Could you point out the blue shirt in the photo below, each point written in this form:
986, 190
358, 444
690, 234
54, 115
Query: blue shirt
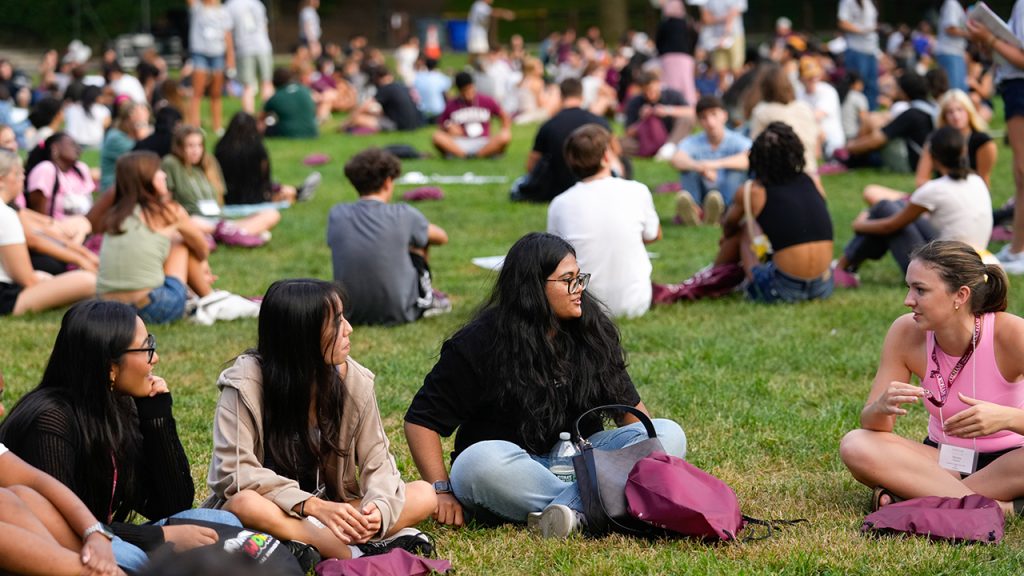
431, 86
698, 147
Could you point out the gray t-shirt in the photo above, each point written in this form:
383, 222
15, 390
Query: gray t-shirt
369, 243
951, 16
250, 19
309, 21
207, 26
864, 17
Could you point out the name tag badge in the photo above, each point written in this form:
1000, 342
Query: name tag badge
957, 459
208, 207
474, 130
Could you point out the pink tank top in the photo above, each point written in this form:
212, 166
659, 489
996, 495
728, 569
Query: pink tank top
989, 385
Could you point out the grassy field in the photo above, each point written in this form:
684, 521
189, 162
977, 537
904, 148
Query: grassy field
764, 393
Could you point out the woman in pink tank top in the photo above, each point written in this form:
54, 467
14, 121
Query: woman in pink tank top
967, 353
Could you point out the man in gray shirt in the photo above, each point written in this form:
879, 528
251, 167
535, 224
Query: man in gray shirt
253, 52
379, 249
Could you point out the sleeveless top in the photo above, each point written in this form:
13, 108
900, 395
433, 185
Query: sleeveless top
981, 379
794, 213
133, 260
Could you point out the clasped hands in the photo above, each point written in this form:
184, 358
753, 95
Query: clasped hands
980, 419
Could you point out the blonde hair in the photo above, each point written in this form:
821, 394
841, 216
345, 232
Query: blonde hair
976, 122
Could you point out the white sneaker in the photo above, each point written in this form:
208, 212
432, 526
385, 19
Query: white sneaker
666, 152
556, 521
714, 205
1012, 262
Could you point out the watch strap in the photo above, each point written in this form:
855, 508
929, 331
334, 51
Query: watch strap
100, 528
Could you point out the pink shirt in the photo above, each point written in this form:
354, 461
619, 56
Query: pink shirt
983, 382
74, 193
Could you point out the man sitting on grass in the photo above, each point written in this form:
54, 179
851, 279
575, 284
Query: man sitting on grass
608, 220
712, 165
379, 249
465, 124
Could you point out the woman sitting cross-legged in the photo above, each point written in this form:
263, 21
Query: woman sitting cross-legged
539, 354
968, 355
299, 447
100, 422
789, 207
955, 206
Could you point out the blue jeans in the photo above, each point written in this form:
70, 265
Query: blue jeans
133, 559
770, 285
956, 69
497, 481
728, 182
867, 66
166, 302
901, 243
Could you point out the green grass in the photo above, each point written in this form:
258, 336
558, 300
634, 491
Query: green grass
764, 393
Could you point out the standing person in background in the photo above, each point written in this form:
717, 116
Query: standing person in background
478, 39
676, 41
952, 43
309, 27
212, 51
724, 37
1010, 79
253, 51
858, 19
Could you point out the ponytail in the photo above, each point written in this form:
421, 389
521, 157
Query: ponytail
990, 295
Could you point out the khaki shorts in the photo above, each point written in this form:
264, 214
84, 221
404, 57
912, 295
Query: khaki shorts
250, 65
732, 58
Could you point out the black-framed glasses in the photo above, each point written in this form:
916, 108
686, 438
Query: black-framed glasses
576, 283
148, 346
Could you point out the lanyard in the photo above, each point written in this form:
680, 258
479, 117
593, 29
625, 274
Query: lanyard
944, 390
113, 490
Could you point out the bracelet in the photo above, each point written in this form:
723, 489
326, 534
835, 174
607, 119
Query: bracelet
302, 508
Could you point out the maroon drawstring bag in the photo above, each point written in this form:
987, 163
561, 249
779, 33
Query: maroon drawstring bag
398, 562
973, 518
672, 494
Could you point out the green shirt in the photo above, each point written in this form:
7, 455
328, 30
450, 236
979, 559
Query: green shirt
189, 185
134, 259
296, 113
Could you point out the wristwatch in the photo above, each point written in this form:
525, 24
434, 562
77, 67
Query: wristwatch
100, 528
442, 487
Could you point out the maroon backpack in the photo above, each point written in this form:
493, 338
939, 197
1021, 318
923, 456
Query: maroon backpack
973, 518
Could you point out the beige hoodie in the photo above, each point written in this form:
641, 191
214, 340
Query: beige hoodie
238, 446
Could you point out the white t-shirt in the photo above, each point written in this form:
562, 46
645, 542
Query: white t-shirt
129, 86
3, 449
825, 99
952, 15
865, 18
87, 130
11, 233
479, 20
607, 221
712, 37
1005, 70
250, 33
959, 209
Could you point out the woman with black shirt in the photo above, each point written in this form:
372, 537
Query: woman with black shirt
538, 355
100, 422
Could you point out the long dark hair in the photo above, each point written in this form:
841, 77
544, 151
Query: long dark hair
949, 149
535, 357
777, 155
93, 336
244, 161
293, 317
133, 186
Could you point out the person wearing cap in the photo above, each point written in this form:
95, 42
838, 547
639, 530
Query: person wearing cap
824, 101
465, 125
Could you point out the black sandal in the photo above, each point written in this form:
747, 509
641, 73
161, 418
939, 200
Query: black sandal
880, 492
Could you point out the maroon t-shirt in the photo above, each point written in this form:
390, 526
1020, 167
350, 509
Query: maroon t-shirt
474, 117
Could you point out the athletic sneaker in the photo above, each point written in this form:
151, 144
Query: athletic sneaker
439, 304
714, 205
308, 187
556, 521
408, 539
306, 554
844, 278
687, 212
1012, 262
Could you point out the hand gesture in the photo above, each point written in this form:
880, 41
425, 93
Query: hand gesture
891, 402
449, 511
346, 522
188, 536
979, 33
157, 385
98, 557
981, 419
372, 515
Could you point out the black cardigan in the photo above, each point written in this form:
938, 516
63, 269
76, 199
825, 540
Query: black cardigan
47, 437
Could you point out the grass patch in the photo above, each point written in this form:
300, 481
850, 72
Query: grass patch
764, 393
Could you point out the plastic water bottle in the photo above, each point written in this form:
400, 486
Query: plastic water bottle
560, 462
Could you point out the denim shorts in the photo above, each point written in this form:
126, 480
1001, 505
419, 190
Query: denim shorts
1012, 92
770, 285
166, 303
208, 63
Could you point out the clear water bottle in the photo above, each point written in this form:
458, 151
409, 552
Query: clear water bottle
560, 462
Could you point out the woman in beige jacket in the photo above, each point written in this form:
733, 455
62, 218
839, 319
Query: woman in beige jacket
299, 447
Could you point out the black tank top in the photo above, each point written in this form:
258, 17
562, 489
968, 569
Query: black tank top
794, 213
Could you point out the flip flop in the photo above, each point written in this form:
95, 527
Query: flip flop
878, 494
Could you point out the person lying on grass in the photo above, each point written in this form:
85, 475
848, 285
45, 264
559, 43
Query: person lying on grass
968, 355
299, 450
540, 353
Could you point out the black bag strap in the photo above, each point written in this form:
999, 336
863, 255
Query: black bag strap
643, 418
768, 525
603, 524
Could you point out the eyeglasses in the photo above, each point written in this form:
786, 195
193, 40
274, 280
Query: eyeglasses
576, 283
148, 346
